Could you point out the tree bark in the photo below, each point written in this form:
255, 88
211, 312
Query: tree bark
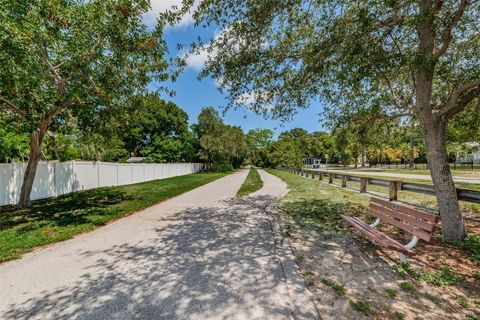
411, 159
36, 139
363, 156
453, 227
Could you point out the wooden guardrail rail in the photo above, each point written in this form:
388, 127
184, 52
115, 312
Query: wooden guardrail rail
393, 185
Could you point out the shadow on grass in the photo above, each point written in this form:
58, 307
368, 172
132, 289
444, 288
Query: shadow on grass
68, 210
321, 213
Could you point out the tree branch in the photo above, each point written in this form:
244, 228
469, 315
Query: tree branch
447, 33
460, 98
13, 107
57, 110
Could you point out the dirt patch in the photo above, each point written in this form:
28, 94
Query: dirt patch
352, 279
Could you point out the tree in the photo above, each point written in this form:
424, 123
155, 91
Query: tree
220, 144
258, 141
156, 129
83, 56
286, 152
415, 58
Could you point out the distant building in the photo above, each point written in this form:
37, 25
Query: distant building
474, 155
313, 162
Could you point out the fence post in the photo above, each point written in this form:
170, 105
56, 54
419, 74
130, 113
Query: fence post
320, 176
330, 178
393, 191
363, 184
344, 181
14, 183
313, 175
98, 174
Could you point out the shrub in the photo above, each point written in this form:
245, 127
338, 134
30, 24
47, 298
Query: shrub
391, 293
472, 245
362, 306
221, 167
408, 286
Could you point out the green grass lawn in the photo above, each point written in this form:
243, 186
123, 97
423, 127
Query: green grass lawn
316, 204
54, 220
252, 183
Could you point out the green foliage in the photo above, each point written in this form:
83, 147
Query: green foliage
472, 245
391, 293
318, 205
220, 143
53, 220
221, 167
258, 142
362, 307
398, 315
443, 277
462, 302
338, 288
408, 286
252, 183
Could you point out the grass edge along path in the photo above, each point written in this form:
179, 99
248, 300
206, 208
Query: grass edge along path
58, 219
252, 183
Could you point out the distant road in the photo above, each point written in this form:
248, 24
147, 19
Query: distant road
401, 175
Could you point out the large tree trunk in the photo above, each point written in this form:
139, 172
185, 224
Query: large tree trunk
453, 227
411, 159
36, 139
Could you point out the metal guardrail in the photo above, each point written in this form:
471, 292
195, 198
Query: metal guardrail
393, 185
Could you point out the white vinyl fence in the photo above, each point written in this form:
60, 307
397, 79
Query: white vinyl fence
57, 178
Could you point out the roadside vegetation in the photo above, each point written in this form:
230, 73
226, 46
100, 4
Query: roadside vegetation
53, 220
441, 281
252, 183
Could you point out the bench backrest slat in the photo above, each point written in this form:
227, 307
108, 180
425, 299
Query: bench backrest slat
407, 210
397, 214
402, 225
418, 223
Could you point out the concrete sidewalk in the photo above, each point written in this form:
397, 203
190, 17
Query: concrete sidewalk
201, 255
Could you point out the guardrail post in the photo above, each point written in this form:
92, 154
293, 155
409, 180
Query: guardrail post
363, 184
344, 181
330, 178
393, 191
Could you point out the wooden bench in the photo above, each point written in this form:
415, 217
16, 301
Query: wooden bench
419, 224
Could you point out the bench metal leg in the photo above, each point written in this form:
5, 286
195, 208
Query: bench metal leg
409, 246
375, 223
412, 243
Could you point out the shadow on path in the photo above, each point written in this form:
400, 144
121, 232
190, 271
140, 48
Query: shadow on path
204, 263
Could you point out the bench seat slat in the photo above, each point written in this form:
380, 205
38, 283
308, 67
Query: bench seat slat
407, 210
425, 225
377, 236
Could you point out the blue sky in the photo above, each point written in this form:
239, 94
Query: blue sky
193, 94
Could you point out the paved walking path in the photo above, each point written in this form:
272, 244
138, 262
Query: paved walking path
201, 255
402, 175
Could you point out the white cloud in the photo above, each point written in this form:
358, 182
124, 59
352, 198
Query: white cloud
198, 59
161, 6
247, 98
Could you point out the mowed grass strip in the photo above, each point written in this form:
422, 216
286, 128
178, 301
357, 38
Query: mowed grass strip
54, 220
252, 183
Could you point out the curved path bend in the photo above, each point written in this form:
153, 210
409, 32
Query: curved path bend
201, 255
